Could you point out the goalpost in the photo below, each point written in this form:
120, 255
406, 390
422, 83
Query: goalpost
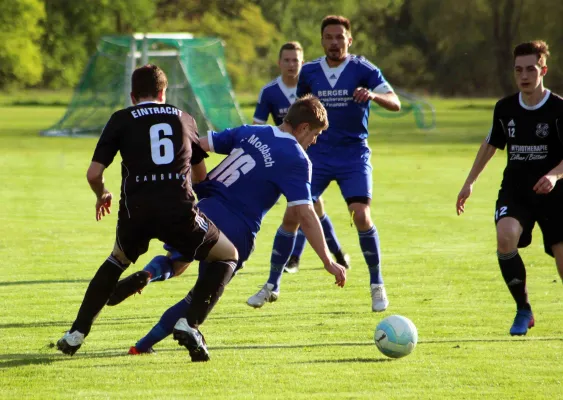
197, 81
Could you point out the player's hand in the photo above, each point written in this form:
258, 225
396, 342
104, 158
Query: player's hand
463, 195
338, 271
361, 95
103, 205
545, 184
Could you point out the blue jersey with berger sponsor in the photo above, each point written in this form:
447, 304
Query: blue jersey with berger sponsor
348, 120
262, 163
275, 98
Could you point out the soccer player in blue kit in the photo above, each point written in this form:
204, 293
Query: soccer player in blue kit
262, 163
345, 84
274, 99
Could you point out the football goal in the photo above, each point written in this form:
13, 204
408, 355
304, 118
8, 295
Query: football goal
197, 81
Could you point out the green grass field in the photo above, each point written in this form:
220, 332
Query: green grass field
317, 340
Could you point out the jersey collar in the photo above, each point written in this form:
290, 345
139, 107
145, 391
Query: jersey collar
289, 93
531, 108
281, 134
146, 102
333, 74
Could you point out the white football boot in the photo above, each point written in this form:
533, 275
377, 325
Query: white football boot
265, 295
379, 301
70, 342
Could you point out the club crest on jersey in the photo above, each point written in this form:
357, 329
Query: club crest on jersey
542, 130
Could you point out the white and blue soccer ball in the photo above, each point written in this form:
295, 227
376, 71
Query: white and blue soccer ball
396, 336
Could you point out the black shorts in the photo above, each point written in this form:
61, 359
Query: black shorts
529, 208
185, 228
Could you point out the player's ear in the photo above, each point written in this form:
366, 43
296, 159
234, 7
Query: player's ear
133, 99
543, 70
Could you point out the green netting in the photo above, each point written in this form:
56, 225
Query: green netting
423, 112
197, 79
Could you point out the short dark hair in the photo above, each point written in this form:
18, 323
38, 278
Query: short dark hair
290, 46
147, 81
336, 20
535, 47
307, 109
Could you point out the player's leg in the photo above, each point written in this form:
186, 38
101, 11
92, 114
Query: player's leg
292, 265
281, 250
195, 236
244, 243
369, 243
96, 296
284, 241
550, 220
330, 235
514, 228
355, 181
557, 250
160, 268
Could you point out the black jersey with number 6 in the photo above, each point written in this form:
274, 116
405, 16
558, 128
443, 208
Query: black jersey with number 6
158, 144
533, 137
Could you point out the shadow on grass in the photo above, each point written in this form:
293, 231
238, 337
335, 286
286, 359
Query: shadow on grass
16, 283
22, 360
347, 360
67, 324
493, 340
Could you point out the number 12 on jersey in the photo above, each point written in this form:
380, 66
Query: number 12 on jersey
229, 171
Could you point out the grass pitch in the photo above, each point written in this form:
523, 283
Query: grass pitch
316, 341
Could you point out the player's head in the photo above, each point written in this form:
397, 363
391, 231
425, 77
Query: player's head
336, 37
530, 65
307, 118
148, 82
290, 59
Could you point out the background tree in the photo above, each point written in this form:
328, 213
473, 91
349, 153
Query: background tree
20, 54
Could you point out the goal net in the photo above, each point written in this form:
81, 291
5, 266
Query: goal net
197, 82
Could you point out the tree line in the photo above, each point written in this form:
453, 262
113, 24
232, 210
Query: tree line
450, 48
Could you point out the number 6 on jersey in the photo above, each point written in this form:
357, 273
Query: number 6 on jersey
162, 149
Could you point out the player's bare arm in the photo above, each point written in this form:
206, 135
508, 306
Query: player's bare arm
485, 153
204, 144
390, 101
199, 172
95, 176
311, 226
547, 182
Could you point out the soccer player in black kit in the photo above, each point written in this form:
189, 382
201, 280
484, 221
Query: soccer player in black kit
530, 125
159, 147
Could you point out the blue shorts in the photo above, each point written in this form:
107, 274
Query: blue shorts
348, 165
229, 223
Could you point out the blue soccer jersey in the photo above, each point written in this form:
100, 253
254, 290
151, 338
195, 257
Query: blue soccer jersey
348, 120
262, 163
275, 98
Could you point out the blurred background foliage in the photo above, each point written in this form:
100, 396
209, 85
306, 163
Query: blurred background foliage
438, 47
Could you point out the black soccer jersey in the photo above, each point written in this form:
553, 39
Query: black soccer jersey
533, 137
158, 144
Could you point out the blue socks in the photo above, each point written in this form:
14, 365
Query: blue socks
369, 243
164, 327
300, 242
330, 237
160, 268
281, 251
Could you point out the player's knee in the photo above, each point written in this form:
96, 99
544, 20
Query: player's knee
507, 240
120, 256
319, 207
290, 222
361, 215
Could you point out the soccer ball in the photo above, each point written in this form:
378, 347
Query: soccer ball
396, 336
